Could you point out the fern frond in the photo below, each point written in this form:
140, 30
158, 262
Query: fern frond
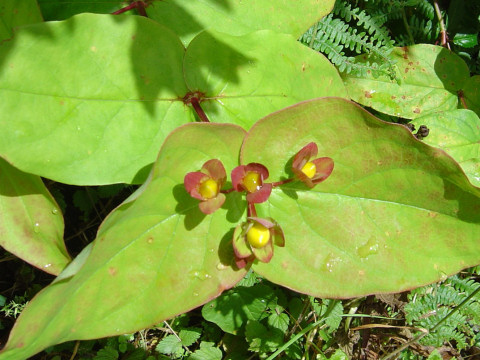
332, 36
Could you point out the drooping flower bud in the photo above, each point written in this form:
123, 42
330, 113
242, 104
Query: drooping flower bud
308, 170
255, 239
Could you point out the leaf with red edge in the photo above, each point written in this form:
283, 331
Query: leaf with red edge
391, 201
155, 249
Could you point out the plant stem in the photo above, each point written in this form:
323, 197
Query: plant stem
75, 349
227, 191
443, 30
139, 5
282, 182
251, 211
461, 97
198, 109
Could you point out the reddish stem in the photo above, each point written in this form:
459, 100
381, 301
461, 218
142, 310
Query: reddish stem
462, 99
196, 105
251, 211
139, 5
228, 191
279, 183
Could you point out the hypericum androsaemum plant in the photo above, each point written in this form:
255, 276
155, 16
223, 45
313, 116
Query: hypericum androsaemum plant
253, 239
120, 116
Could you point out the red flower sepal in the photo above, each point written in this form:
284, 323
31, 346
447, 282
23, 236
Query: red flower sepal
205, 185
311, 172
250, 178
255, 239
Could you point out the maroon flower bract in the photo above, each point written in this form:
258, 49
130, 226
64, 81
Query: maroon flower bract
311, 172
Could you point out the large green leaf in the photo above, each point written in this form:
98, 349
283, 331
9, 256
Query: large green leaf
95, 105
238, 17
102, 115
428, 78
395, 213
31, 224
14, 13
458, 133
244, 80
153, 258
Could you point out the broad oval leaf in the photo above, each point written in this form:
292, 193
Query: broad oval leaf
238, 17
428, 78
154, 257
96, 105
458, 133
104, 121
31, 223
394, 214
244, 80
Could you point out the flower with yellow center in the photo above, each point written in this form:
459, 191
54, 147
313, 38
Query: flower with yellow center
205, 185
250, 178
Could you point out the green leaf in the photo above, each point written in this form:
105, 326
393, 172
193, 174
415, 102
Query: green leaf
428, 79
14, 13
261, 339
457, 132
31, 223
232, 309
207, 351
391, 201
279, 321
471, 93
156, 248
169, 345
245, 80
103, 121
466, 40
189, 336
236, 17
